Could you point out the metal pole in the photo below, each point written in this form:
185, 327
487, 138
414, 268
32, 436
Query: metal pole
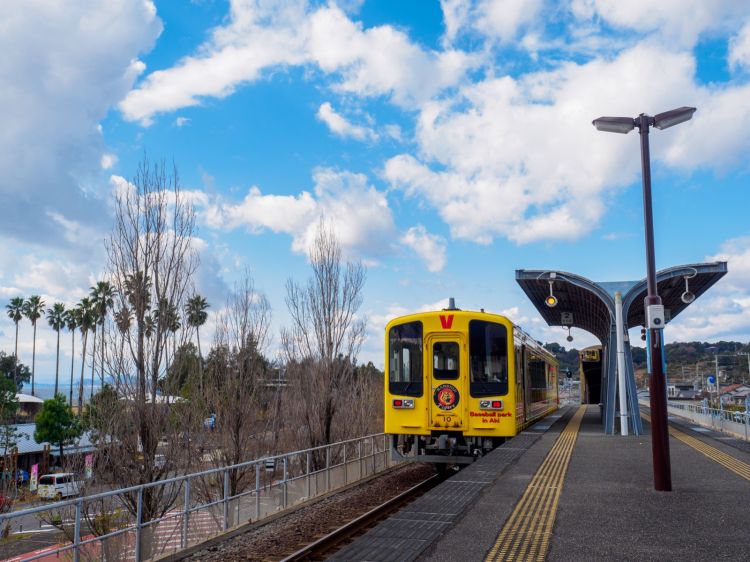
77, 533
716, 367
328, 469
186, 514
346, 472
225, 526
284, 483
138, 520
621, 365
307, 472
257, 491
657, 387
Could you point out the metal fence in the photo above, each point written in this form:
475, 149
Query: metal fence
115, 526
734, 423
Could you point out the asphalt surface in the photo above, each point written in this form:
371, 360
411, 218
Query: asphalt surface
609, 510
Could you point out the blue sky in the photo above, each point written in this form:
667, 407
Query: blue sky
450, 143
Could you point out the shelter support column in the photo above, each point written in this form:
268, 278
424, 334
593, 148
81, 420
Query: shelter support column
621, 374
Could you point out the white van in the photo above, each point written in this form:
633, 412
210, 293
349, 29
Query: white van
58, 486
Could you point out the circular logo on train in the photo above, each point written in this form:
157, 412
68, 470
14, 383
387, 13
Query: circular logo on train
446, 396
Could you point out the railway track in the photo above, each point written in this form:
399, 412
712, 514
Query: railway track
334, 540
285, 535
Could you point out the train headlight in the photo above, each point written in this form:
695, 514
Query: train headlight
402, 403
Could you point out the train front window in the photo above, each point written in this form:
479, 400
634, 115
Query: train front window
445, 360
405, 359
488, 359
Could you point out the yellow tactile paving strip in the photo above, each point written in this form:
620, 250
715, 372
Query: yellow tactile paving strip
527, 532
735, 465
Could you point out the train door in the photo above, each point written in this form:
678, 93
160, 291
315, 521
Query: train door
520, 388
446, 374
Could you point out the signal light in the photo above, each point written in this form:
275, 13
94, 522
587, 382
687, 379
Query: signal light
551, 301
497, 404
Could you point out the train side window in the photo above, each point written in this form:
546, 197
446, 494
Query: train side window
405, 359
488, 358
445, 360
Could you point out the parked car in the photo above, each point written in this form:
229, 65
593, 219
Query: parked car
58, 486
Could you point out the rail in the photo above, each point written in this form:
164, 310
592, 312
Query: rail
330, 541
113, 525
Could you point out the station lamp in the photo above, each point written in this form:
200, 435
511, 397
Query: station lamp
654, 310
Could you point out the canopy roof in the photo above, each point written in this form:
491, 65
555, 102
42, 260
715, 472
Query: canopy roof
588, 305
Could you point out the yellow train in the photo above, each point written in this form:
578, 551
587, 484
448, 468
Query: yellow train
590, 368
460, 382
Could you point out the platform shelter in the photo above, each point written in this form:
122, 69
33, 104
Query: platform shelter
590, 305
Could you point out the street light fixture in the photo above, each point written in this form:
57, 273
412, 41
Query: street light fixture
654, 310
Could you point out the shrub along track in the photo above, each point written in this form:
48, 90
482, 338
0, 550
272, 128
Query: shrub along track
286, 534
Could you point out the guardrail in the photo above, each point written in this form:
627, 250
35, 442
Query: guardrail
725, 421
735, 423
111, 525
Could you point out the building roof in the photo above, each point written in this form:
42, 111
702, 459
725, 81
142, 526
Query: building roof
26, 443
28, 399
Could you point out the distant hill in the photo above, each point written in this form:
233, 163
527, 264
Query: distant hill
685, 360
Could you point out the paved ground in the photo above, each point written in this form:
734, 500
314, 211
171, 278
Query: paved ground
609, 510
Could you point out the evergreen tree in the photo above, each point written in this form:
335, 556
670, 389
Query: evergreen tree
56, 424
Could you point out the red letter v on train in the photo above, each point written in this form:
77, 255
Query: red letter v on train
446, 321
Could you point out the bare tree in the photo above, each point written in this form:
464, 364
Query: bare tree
322, 344
151, 261
235, 390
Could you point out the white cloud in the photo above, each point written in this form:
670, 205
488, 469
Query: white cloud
180, 121
63, 66
339, 126
673, 22
358, 212
503, 19
724, 311
279, 213
455, 17
108, 161
429, 247
394, 132
739, 48
518, 158
259, 36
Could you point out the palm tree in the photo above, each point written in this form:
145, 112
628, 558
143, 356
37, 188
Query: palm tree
15, 313
56, 319
33, 308
86, 321
123, 320
195, 312
173, 325
103, 297
72, 317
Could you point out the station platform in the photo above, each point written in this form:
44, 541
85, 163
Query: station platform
564, 491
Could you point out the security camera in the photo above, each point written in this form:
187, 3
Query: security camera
687, 297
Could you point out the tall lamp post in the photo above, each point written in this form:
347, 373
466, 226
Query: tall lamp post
654, 310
